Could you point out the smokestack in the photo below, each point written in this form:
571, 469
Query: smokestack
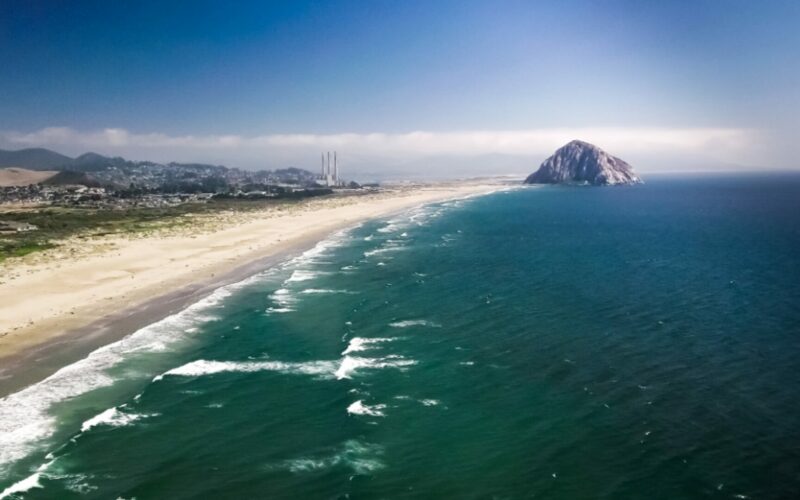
329, 163
335, 168
322, 172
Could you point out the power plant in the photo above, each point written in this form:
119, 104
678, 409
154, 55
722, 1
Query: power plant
328, 178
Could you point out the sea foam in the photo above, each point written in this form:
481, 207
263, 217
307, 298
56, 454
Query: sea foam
359, 408
351, 364
414, 322
341, 369
320, 250
357, 344
392, 226
318, 291
302, 275
361, 458
383, 250
113, 417
204, 367
283, 299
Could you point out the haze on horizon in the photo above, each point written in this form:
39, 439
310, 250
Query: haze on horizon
405, 88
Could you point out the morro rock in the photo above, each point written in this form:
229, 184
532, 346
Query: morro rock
579, 162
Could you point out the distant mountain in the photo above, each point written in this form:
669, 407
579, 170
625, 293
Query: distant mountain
579, 162
44, 159
34, 159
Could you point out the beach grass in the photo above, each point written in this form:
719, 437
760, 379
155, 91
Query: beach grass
55, 224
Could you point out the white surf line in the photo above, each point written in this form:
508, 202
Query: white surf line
345, 368
203, 367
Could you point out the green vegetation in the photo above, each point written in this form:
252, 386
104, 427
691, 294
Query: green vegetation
57, 223
21, 248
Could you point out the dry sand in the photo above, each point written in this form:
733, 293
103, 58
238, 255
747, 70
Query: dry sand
85, 286
13, 176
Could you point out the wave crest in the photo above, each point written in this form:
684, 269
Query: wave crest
204, 367
113, 417
359, 408
414, 322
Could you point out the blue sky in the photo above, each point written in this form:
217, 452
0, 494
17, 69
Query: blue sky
221, 80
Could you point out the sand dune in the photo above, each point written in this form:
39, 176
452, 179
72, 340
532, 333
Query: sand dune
14, 176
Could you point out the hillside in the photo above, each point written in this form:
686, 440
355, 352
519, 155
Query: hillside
70, 178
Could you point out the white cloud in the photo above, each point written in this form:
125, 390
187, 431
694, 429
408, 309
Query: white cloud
719, 144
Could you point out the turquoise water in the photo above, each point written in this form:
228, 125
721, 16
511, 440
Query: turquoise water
546, 342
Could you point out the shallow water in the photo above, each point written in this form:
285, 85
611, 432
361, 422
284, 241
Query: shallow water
552, 342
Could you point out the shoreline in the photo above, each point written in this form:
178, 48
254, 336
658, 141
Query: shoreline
31, 353
35, 363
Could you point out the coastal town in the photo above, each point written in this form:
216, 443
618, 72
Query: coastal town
89, 197
46, 197
95, 181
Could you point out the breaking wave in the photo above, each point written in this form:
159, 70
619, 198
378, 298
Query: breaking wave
327, 291
359, 408
28, 483
351, 364
113, 417
303, 275
341, 369
357, 344
204, 367
414, 322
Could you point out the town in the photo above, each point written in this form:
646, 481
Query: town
96, 181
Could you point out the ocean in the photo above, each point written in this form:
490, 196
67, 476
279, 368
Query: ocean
538, 342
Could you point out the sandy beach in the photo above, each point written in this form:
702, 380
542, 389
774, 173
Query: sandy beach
63, 303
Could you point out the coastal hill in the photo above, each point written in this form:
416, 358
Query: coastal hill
579, 162
72, 178
45, 159
34, 159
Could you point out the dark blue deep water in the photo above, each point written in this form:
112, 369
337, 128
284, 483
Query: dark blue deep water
549, 342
